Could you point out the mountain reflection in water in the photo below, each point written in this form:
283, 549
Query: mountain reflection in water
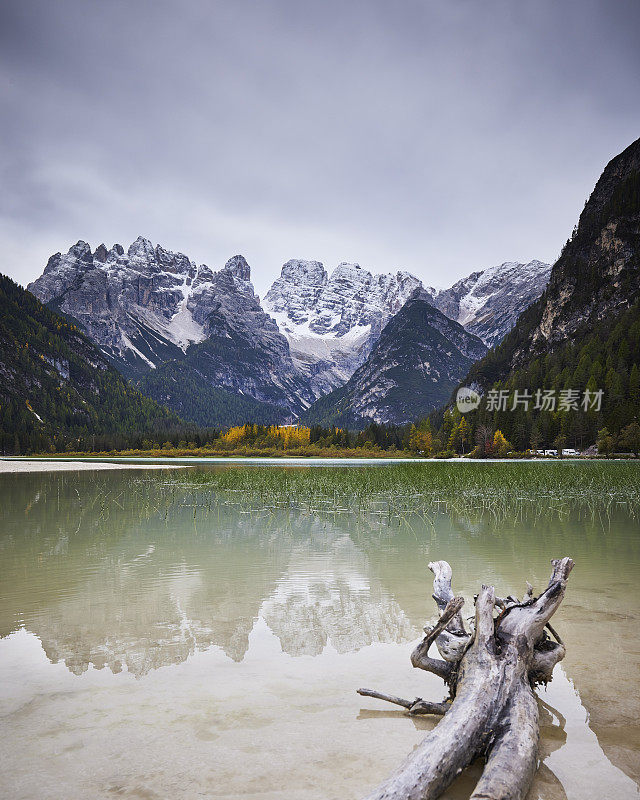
134, 573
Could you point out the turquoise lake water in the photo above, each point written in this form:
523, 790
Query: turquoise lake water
166, 638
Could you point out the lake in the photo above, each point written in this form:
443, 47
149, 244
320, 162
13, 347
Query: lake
202, 632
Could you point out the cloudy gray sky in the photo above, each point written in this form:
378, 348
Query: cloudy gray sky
438, 136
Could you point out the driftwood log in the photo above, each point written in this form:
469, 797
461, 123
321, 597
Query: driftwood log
490, 670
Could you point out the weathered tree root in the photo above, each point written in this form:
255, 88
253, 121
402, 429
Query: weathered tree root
490, 671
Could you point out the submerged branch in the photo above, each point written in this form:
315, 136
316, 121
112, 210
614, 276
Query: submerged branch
417, 706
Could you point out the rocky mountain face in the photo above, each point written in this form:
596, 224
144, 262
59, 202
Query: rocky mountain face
332, 321
418, 359
598, 274
150, 307
488, 303
133, 304
595, 281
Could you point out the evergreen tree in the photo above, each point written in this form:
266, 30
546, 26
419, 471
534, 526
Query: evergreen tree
630, 438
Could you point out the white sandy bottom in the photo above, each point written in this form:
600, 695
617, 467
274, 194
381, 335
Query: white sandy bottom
66, 466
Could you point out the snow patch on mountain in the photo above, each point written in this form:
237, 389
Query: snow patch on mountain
149, 309
332, 321
488, 302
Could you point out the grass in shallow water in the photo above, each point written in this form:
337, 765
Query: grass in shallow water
499, 489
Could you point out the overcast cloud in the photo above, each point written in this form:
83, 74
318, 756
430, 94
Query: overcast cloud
437, 137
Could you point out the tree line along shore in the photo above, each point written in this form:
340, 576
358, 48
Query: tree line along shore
456, 438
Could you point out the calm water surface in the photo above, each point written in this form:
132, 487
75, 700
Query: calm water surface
165, 641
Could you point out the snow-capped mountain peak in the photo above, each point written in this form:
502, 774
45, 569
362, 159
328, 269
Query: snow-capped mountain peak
139, 304
239, 268
488, 302
152, 310
332, 321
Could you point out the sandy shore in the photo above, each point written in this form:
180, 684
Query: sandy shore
59, 466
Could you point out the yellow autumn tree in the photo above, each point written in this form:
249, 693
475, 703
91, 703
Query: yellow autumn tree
279, 436
501, 445
234, 436
420, 439
290, 436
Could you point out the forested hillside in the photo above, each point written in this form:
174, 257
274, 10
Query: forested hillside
180, 385
605, 358
56, 389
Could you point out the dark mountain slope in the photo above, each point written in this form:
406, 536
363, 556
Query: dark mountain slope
56, 386
416, 362
181, 386
596, 278
584, 332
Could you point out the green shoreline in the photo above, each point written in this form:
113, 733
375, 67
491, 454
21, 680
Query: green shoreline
292, 457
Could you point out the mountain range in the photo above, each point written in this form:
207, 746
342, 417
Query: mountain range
136, 340
201, 342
